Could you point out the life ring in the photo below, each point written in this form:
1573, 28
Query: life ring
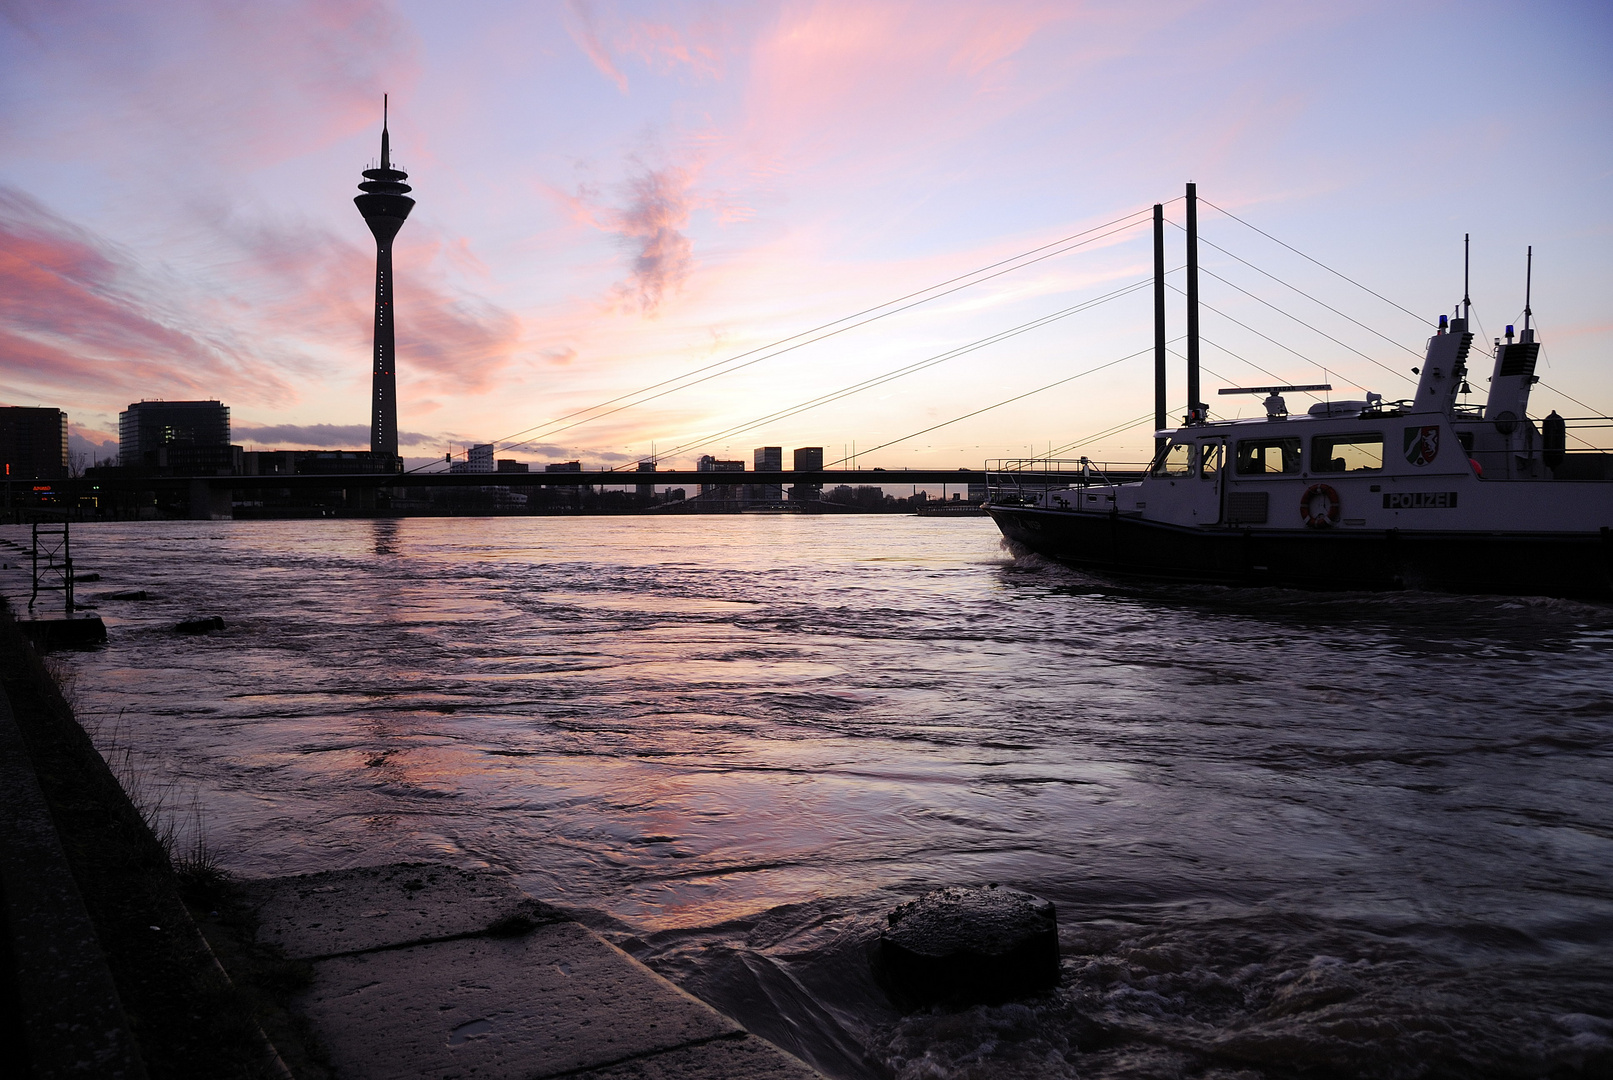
1326, 519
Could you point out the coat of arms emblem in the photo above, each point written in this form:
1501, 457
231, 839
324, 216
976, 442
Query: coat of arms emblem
1422, 444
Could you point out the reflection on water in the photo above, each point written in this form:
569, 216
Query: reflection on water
1363, 835
384, 531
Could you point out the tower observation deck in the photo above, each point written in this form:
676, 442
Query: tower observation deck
385, 205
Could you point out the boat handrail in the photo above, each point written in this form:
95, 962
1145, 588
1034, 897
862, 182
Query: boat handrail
1016, 477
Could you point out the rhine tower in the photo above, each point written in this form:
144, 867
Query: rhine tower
385, 204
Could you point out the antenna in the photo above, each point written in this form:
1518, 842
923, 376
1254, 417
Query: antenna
1528, 287
1192, 302
386, 149
1467, 260
1161, 410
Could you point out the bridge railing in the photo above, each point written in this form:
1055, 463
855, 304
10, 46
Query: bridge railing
1025, 479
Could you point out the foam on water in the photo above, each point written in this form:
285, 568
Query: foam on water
1287, 834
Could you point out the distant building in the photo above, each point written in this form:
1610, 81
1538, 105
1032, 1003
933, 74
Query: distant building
807, 459
33, 443
269, 462
768, 459
478, 459
507, 465
200, 460
571, 466
646, 491
327, 462
723, 493
187, 436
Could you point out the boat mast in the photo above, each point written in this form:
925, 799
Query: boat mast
1467, 260
1194, 410
1528, 285
1160, 406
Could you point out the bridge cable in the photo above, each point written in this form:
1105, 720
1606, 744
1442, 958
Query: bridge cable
1016, 259
909, 369
1318, 262
781, 352
1307, 325
1005, 401
1257, 333
1117, 429
1308, 296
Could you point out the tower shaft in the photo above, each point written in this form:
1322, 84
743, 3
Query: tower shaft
384, 382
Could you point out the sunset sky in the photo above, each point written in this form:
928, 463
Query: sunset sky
611, 196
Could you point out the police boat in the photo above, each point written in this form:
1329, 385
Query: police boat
1418, 494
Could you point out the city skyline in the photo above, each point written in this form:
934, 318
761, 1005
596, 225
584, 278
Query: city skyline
613, 197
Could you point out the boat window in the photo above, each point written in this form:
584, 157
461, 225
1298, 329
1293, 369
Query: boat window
1178, 461
1347, 453
1257, 456
1210, 459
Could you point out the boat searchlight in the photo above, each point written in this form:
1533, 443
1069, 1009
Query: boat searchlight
1276, 407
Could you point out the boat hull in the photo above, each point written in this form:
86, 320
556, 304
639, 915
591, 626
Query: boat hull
1577, 565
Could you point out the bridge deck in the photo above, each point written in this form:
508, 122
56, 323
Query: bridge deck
827, 478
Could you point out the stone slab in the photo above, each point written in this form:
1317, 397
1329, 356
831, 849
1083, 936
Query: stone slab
72, 1017
557, 999
348, 911
747, 1058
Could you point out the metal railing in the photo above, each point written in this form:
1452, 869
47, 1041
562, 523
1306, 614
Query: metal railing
1010, 480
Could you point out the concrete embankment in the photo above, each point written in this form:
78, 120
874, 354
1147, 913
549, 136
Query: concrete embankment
110, 961
425, 970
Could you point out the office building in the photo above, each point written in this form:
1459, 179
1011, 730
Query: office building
314, 462
645, 491
186, 436
768, 459
807, 459
33, 443
570, 466
720, 493
478, 459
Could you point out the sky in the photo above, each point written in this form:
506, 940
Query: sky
669, 228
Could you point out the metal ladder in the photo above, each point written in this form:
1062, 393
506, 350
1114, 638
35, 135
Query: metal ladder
53, 563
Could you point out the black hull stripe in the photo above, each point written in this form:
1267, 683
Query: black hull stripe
1531, 564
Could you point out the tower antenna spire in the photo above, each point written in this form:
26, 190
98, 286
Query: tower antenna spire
386, 143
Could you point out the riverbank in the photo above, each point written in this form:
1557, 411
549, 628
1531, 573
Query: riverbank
101, 944
122, 957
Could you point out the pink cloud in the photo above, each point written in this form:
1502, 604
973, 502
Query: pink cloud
245, 84
650, 223
585, 33
86, 327
319, 435
300, 292
75, 314
604, 35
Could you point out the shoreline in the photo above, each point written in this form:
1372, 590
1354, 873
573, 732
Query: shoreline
120, 957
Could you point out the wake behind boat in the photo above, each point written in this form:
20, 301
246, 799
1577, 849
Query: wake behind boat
1423, 493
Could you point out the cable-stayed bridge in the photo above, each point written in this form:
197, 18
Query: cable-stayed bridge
1294, 308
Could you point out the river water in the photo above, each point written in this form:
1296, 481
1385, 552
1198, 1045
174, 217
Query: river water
1287, 834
